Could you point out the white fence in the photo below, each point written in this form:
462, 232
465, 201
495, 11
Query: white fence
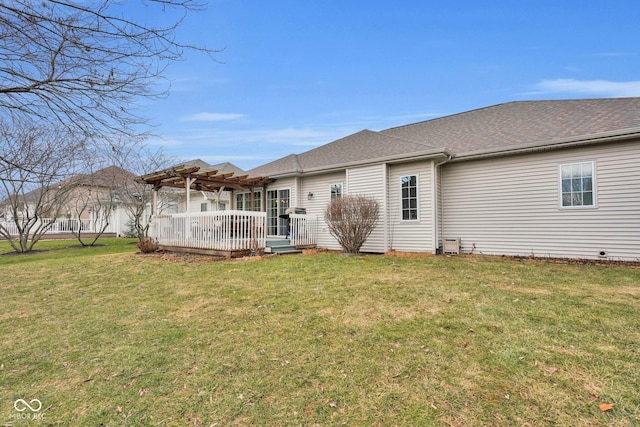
62, 226
303, 230
216, 230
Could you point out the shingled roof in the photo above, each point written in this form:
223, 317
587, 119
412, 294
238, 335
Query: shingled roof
203, 166
361, 147
524, 123
502, 127
108, 178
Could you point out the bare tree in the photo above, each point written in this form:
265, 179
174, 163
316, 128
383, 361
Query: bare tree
351, 220
84, 64
78, 67
136, 198
33, 163
93, 199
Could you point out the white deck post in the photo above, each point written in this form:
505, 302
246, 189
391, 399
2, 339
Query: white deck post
187, 223
154, 201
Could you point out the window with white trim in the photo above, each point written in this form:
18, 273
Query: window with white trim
204, 207
409, 195
336, 191
243, 201
577, 184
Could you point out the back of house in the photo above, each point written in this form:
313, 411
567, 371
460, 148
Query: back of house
534, 178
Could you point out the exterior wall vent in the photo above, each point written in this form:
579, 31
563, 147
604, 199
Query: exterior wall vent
451, 246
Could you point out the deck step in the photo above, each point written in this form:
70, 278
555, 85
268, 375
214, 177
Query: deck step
278, 242
286, 251
281, 247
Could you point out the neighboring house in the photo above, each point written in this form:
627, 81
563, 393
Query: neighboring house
85, 198
95, 194
81, 199
543, 178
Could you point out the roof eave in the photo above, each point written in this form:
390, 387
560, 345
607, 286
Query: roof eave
419, 155
599, 138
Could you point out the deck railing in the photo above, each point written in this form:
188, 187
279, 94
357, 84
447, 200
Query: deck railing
62, 226
230, 230
10, 227
303, 230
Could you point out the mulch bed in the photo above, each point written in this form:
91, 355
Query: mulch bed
198, 259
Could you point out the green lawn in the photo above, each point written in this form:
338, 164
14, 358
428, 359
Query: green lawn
106, 337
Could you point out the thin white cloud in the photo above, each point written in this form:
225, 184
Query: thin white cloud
246, 145
221, 137
282, 137
289, 134
169, 143
413, 117
212, 117
590, 87
212, 159
611, 54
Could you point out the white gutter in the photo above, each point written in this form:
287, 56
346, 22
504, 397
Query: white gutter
435, 179
409, 157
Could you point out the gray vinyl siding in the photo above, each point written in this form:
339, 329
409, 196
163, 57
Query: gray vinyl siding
287, 184
511, 205
319, 185
411, 236
195, 199
370, 181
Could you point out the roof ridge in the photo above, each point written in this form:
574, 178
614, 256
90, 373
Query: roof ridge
434, 119
502, 104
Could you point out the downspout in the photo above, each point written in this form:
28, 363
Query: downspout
436, 198
299, 200
388, 241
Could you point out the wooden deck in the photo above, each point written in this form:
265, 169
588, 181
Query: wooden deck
229, 233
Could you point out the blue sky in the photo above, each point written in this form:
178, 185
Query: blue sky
299, 74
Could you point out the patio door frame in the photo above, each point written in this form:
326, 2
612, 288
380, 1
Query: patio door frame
277, 206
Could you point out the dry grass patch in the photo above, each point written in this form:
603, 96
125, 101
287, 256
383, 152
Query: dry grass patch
119, 339
628, 290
